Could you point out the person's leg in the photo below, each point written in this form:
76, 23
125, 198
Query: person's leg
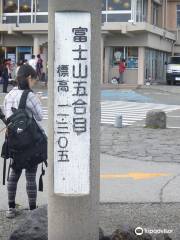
122, 78
119, 78
12, 187
31, 187
4, 86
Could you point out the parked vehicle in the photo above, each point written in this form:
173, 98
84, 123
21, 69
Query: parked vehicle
173, 70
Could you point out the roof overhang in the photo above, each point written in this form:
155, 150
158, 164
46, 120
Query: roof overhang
130, 28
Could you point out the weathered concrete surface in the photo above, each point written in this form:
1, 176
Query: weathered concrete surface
156, 119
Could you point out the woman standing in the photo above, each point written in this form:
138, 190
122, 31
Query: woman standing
26, 79
39, 66
5, 76
122, 68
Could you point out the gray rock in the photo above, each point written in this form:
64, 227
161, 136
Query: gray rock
129, 235
101, 234
34, 226
156, 119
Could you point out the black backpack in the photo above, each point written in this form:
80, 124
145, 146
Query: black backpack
22, 128
25, 142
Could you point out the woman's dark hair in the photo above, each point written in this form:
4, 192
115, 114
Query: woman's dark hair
22, 76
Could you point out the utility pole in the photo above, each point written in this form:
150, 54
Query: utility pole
74, 119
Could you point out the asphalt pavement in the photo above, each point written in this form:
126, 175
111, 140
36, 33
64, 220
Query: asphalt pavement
140, 168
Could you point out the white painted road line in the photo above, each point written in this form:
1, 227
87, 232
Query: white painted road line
132, 112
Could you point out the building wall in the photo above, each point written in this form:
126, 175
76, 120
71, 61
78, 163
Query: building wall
14, 40
130, 75
142, 35
134, 39
161, 48
172, 15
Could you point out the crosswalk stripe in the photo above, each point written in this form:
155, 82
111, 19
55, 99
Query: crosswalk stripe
131, 112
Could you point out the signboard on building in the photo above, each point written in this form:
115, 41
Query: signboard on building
72, 81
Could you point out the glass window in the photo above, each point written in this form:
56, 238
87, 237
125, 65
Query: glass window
103, 5
103, 18
42, 19
9, 19
24, 53
118, 17
118, 54
11, 54
25, 5
119, 5
25, 19
132, 57
130, 54
142, 8
10, 6
178, 15
42, 6
155, 13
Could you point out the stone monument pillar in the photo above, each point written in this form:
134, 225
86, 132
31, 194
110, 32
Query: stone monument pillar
74, 68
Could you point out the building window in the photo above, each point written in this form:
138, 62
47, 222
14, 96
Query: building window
141, 13
132, 57
155, 13
24, 53
130, 54
118, 5
42, 5
116, 10
154, 60
104, 7
10, 6
178, 15
11, 54
25, 11
118, 54
25, 6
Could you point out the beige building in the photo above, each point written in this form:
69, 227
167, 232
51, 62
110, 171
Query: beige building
138, 33
173, 22
23, 29
144, 32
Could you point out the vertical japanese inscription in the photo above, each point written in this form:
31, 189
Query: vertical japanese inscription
72, 81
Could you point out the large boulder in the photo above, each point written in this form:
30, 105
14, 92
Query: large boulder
156, 119
34, 226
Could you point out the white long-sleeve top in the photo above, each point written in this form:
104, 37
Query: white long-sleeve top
33, 103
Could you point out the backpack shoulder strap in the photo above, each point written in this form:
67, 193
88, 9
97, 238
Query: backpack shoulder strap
22, 104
